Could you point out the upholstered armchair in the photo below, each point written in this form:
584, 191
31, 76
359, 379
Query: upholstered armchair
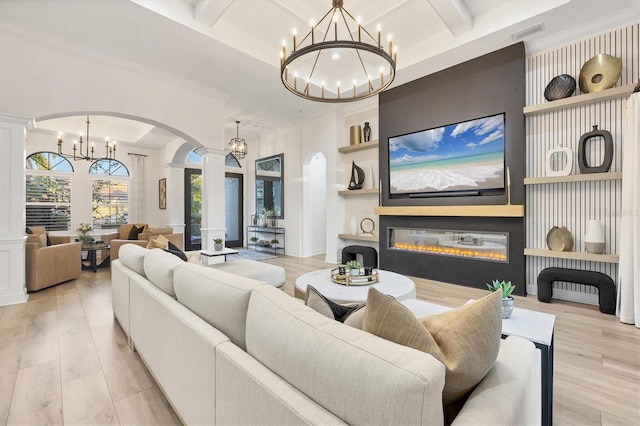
50, 265
124, 236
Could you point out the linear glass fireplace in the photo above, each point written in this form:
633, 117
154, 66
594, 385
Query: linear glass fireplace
479, 245
470, 251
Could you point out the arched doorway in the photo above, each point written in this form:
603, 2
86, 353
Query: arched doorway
314, 205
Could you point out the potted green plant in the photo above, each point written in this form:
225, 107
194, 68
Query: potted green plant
507, 301
354, 267
275, 242
217, 244
254, 240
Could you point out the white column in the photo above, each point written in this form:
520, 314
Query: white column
12, 215
213, 225
175, 196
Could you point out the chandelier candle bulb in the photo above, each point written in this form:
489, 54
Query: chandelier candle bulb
294, 39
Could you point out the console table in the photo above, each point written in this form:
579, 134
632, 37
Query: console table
536, 327
262, 237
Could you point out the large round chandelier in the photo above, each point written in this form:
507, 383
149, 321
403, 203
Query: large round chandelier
338, 60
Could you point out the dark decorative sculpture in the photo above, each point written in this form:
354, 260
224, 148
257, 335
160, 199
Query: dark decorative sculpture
608, 151
357, 177
366, 131
560, 87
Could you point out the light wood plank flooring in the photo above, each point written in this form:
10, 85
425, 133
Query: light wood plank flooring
64, 360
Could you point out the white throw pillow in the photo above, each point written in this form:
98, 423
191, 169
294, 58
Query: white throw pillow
132, 256
158, 265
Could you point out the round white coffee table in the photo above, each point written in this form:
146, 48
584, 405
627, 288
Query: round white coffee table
389, 282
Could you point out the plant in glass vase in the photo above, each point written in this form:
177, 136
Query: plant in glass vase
84, 233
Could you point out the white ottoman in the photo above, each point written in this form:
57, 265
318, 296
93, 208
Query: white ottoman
270, 274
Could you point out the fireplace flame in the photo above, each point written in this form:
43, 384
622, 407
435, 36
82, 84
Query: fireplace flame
492, 255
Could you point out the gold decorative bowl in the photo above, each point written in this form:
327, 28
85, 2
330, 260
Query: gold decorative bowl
559, 239
600, 73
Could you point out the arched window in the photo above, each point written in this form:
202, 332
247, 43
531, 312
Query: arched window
48, 191
109, 193
231, 161
194, 157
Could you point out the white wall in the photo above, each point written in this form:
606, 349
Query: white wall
299, 142
42, 79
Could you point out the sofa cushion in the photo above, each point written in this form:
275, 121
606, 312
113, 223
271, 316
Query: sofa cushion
158, 266
330, 309
218, 297
466, 340
132, 256
357, 376
150, 233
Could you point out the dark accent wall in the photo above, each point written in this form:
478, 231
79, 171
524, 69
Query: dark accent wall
488, 85
484, 86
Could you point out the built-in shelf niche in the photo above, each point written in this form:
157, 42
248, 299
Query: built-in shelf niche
580, 100
371, 238
573, 178
575, 255
358, 147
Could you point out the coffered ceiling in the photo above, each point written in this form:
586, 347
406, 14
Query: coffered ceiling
231, 47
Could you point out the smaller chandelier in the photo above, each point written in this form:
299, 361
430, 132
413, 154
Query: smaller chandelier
340, 51
237, 145
80, 153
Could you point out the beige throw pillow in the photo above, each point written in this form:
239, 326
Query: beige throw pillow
160, 242
466, 340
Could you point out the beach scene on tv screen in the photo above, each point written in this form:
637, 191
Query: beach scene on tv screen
458, 157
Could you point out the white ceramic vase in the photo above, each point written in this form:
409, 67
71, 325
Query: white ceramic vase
353, 226
594, 238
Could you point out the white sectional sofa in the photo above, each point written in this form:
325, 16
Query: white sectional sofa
231, 350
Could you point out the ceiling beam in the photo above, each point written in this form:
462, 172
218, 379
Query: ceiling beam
454, 14
208, 12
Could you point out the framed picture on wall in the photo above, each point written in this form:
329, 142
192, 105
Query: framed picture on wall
162, 193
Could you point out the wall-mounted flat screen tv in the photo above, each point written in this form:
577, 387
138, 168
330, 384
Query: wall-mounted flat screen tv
465, 158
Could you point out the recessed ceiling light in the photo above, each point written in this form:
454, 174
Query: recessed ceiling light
335, 56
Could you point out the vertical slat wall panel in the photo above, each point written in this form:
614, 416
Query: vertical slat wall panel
361, 206
573, 204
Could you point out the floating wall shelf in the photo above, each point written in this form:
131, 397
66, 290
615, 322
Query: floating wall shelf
575, 255
358, 237
359, 191
510, 210
576, 101
574, 178
358, 147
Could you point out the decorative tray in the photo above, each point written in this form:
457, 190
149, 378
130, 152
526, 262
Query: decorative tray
348, 280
